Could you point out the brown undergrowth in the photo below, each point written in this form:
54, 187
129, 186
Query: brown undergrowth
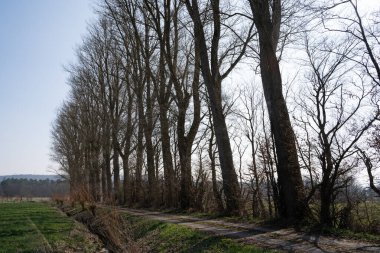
108, 224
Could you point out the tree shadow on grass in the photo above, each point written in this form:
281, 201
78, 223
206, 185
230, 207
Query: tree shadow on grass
148, 227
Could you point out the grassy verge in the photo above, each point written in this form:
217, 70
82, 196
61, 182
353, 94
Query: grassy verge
367, 212
156, 236
345, 233
37, 227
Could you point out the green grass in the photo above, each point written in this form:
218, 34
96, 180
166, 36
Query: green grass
166, 237
365, 223
367, 215
37, 227
348, 234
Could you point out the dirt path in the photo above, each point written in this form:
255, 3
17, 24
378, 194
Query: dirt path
287, 240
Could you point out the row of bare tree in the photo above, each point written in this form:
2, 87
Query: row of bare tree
149, 123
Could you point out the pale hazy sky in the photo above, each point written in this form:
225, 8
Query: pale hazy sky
37, 38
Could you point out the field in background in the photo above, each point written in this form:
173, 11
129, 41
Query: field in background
38, 227
20, 199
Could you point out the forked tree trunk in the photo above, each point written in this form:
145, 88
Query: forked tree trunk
213, 80
291, 189
289, 176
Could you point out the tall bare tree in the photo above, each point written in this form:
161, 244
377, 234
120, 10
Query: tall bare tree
337, 99
211, 60
267, 18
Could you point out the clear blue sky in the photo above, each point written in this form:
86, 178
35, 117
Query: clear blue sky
37, 38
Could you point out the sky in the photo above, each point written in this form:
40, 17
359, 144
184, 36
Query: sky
37, 39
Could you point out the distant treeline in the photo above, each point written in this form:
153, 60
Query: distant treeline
33, 188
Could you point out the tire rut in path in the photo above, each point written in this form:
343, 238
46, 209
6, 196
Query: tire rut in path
288, 240
46, 244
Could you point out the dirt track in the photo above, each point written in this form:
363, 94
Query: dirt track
287, 240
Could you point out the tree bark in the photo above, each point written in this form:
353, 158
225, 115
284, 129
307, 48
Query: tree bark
152, 182
167, 158
211, 154
326, 202
291, 189
186, 198
148, 131
104, 181
140, 148
116, 173
213, 80
126, 181
108, 175
230, 182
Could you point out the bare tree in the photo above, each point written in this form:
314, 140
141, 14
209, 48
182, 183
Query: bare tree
368, 164
249, 115
66, 145
211, 60
364, 33
184, 70
267, 18
335, 112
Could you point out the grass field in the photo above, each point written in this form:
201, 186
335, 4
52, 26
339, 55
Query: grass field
38, 227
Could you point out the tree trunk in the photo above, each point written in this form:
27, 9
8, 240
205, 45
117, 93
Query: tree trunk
268, 193
185, 142
73, 179
152, 182
215, 190
258, 206
108, 175
116, 173
326, 202
90, 184
167, 158
186, 198
230, 182
139, 148
94, 179
104, 181
127, 189
97, 174
289, 176
126, 182
291, 189
212, 79
107, 162
211, 154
